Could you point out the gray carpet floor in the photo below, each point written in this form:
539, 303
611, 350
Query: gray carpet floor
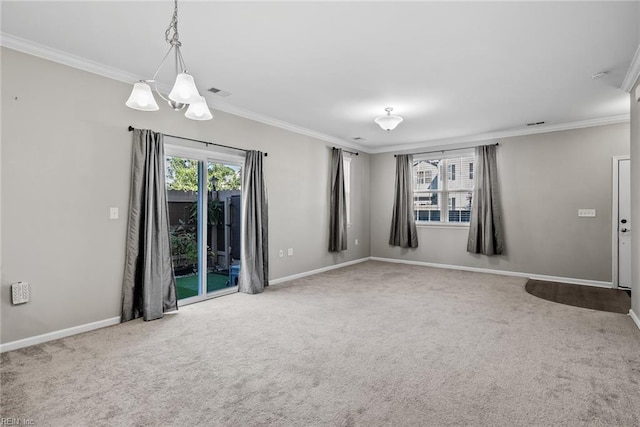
372, 344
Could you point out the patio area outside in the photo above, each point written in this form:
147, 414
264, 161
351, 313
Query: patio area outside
187, 286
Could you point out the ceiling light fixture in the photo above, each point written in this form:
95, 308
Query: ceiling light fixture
388, 122
184, 91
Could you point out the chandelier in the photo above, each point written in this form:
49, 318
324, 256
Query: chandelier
184, 91
388, 122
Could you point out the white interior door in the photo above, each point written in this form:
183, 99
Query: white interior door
624, 223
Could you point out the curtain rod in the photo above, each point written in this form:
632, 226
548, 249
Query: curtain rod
131, 128
452, 149
347, 151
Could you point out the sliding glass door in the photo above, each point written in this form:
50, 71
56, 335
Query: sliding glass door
204, 197
184, 199
223, 225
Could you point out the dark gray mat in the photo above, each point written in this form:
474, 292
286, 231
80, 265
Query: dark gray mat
603, 299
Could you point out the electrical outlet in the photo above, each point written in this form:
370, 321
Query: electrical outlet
281, 253
113, 213
356, 242
290, 252
587, 213
20, 293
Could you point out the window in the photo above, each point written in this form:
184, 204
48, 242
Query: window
452, 172
441, 195
420, 177
347, 187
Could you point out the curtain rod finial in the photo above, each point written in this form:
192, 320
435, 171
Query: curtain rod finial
130, 128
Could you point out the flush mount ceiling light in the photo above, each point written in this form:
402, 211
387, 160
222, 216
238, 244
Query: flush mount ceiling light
388, 122
184, 91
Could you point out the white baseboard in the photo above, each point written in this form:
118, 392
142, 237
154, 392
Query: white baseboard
635, 318
26, 342
500, 272
38, 339
319, 270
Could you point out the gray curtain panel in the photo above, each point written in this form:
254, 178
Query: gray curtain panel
485, 231
254, 255
149, 286
403, 224
337, 204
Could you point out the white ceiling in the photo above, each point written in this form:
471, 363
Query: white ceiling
454, 70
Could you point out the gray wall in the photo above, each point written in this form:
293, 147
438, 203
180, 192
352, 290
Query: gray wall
65, 160
65, 143
635, 201
545, 179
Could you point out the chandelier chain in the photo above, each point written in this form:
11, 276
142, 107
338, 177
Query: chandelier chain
173, 39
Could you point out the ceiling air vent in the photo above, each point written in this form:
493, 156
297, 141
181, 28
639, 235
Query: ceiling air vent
535, 124
219, 92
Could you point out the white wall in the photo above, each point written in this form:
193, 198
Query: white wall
544, 180
1, 289
635, 201
66, 159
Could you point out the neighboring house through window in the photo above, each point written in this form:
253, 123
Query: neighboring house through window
443, 188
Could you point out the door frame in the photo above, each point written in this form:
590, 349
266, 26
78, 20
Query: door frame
615, 274
175, 147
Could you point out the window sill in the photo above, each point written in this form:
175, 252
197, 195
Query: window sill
464, 226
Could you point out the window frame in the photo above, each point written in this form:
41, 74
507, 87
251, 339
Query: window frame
444, 190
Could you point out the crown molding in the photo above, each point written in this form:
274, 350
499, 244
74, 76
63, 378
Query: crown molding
35, 49
633, 73
503, 134
247, 114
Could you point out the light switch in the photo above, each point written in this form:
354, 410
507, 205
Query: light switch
113, 213
587, 213
290, 251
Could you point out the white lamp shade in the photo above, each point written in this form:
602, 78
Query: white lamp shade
199, 110
141, 98
388, 122
184, 90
